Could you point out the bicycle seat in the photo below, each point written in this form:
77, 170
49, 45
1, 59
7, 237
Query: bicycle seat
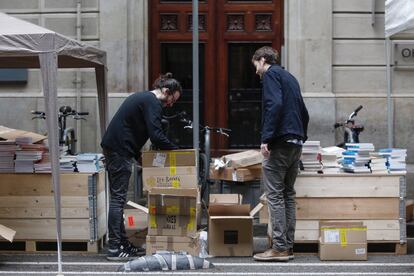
65, 109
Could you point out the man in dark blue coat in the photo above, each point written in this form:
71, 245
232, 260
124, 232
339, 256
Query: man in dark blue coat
137, 119
284, 130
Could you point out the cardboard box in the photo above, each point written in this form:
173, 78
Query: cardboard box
7, 233
170, 177
232, 174
225, 199
264, 212
173, 243
172, 212
137, 237
243, 159
169, 158
342, 241
231, 229
11, 134
135, 219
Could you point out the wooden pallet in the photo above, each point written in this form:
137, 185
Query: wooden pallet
374, 248
51, 246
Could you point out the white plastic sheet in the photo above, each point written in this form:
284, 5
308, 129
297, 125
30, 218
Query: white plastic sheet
399, 16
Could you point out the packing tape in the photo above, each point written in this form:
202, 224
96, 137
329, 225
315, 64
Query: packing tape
191, 223
173, 163
342, 237
176, 183
172, 210
153, 221
131, 221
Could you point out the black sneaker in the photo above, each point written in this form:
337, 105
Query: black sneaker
120, 254
138, 251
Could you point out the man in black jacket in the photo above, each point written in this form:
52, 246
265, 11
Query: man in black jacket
284, 130
137, 119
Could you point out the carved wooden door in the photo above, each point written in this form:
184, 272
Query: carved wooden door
230, 32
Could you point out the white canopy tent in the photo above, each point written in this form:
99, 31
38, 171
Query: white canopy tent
26, 45
399, 16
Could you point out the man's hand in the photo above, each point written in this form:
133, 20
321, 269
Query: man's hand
264, 150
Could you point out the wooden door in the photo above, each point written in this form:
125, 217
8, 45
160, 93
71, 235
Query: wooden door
230, 32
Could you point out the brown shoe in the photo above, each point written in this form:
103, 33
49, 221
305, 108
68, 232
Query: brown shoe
290, 254
272, 255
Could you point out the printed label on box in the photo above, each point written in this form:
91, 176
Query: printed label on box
331, 236
360, 251
159, 160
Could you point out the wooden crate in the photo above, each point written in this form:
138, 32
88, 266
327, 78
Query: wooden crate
27, 206
376, 200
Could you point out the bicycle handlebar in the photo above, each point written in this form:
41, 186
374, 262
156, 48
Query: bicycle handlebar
358, 109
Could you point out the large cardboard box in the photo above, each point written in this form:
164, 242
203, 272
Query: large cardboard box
237, 174
173, 243
172, 212
169, 158
341, 240
243, 159
11, 134
136, 218
170, 177
231, 229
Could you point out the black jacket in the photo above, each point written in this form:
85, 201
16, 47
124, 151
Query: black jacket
284, 114
137, 119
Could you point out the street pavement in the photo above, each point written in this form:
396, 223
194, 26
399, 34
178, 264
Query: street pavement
96, 264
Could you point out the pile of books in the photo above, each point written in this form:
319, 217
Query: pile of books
89, 162
396, 159
311, 156
7, 151
356, 158
330, 157
27, 155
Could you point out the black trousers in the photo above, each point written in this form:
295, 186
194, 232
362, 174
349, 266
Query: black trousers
119, 171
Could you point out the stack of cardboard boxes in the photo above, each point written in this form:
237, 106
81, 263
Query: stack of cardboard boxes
230, 226
170, 178
239, 167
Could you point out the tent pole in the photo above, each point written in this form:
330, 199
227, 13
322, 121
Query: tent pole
389, 91
196, 101
48, 66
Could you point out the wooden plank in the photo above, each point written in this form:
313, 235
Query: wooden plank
353, 80
43, 202
370, 224
43, 213
361, 186
45, 229
357, 6
347, 208
41, 184
372, 235
358, 52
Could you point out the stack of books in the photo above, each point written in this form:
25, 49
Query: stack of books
68, 163
89, 162
378, 164
330, 158
311, 156
356, 158
27, 154
396, 159
7, 151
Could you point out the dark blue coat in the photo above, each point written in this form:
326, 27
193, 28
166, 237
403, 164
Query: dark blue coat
284, 114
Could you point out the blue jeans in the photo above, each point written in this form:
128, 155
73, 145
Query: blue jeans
279, 174
119, 171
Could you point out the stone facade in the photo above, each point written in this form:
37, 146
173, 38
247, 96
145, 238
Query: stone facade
330, 46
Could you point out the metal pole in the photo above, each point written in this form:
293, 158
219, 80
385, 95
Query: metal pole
196, 122
389, 91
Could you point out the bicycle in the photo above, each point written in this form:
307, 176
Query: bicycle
351, 130
204, 154
67, 136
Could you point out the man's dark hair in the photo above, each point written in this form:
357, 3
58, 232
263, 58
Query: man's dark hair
270, 55
167, 81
